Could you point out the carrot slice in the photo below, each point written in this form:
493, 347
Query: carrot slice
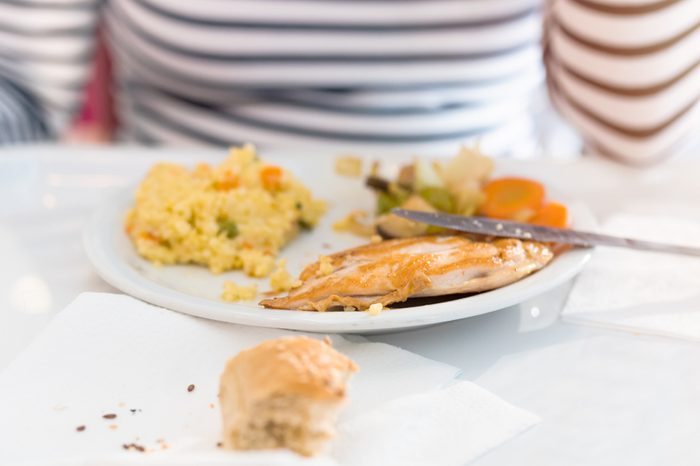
149, 236
228, 181
512, 198
551, 214
271, 177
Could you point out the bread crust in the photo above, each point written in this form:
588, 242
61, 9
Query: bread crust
283, 393
293, 366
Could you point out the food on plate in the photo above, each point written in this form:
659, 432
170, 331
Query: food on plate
375, 309
461, 186
237, 215
325, 266
516, 199
552, 214
234, 292
357, 222
283, 393
349, 165
281, 279
394, 270
393, 226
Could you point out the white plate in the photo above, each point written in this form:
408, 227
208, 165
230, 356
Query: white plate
193, 290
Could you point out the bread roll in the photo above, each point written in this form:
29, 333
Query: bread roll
283, 393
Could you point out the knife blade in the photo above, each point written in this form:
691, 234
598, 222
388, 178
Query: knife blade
524, 231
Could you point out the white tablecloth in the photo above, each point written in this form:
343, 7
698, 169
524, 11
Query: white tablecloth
605, 398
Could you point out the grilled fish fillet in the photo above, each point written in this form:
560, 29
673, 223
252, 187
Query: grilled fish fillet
394, 270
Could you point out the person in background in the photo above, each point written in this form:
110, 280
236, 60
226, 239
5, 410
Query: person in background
413, 75
626, 75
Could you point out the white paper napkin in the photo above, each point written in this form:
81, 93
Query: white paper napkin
111, 354
425, 428
643, 292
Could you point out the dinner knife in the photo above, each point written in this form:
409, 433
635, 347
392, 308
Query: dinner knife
509, 229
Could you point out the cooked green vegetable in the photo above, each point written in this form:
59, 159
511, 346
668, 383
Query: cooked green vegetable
470, 210
386, 202
303, 224
228, 227
437, 197
400, 193
434, 230
395, 196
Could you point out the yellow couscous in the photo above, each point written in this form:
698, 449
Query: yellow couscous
375, 309
281, 279
325, 266
349, 166
237, 215
234, 292
357, 222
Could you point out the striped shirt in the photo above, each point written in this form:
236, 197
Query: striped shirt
381, 74
627, 75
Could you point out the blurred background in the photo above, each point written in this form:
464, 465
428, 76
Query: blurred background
523, 78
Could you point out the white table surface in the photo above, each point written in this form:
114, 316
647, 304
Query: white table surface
605, 398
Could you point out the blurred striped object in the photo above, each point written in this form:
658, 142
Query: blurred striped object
626, 73
381, 75
95, 123
419, 76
